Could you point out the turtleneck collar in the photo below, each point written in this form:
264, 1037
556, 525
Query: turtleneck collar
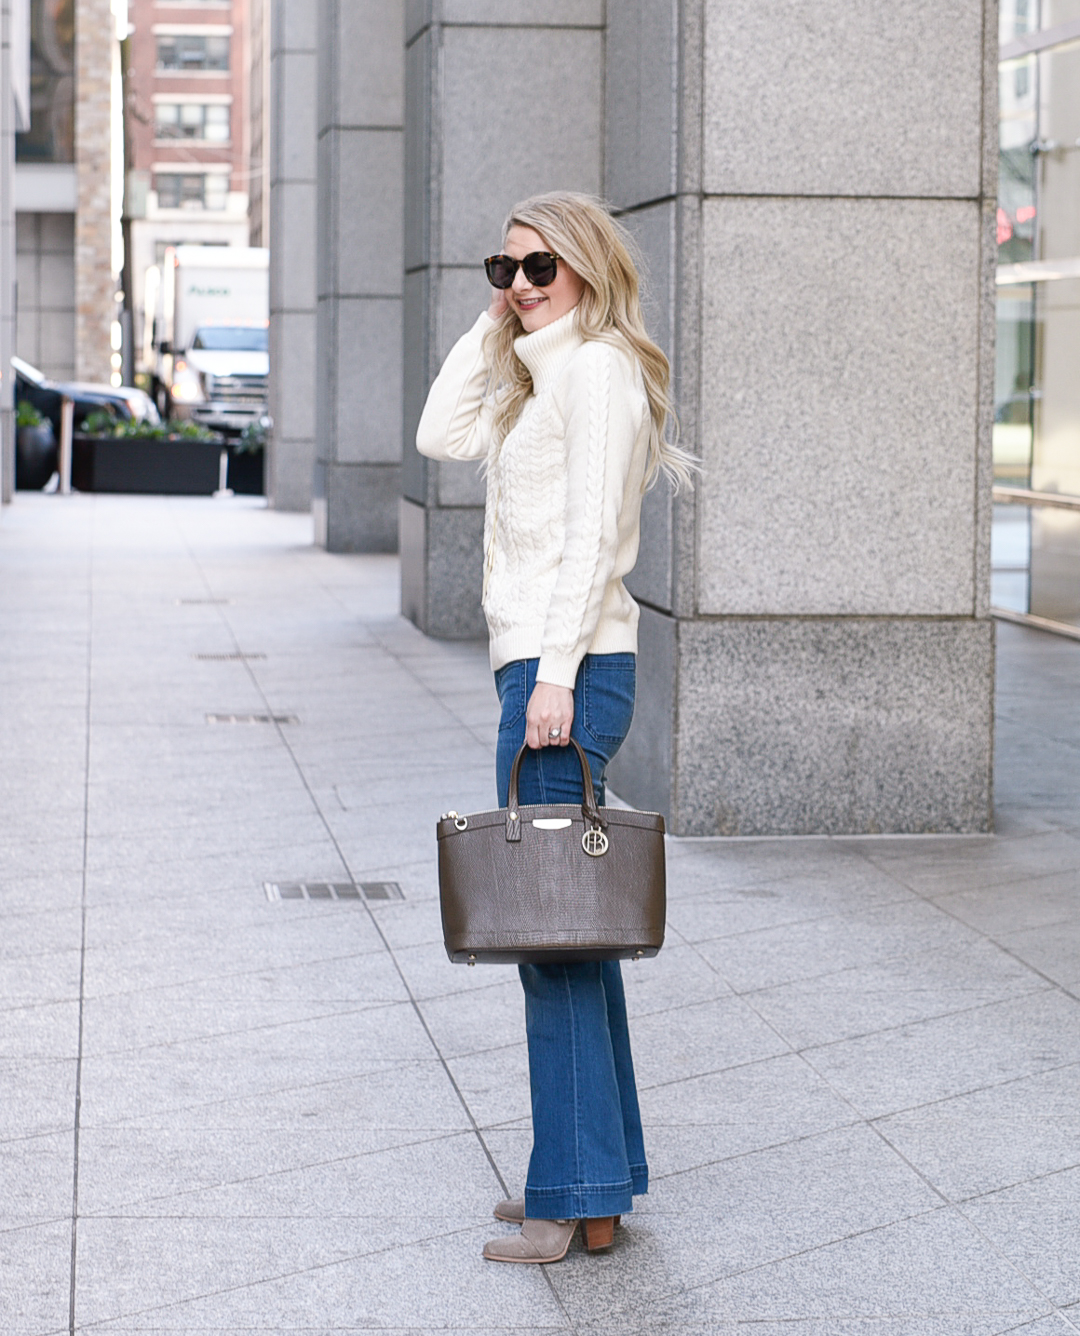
547, 350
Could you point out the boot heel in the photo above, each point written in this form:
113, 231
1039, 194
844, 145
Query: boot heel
599, 1233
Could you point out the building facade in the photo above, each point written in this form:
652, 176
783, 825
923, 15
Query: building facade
188, 134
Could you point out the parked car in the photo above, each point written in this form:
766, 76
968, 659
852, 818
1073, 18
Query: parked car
47, 396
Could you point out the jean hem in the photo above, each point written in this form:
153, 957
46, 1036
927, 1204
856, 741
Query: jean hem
579, 1203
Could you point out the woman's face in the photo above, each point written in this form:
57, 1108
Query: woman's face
537, 307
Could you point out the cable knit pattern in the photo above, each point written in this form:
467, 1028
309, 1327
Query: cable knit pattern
563, 492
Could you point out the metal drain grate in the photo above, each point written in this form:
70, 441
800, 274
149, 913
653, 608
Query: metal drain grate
252, 719
332, 890
203, 602
381, 890
228, 658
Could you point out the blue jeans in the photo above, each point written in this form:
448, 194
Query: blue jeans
588, 1153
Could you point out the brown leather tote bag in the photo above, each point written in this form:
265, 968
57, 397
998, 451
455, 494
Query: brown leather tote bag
552, 884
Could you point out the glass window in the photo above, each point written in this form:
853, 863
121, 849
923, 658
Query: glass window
1052, 13
1017, 133
192, 190
1057, 152
216, 123
51, 137
1019, 18
1014, 385
1035, 552
1016, 18
232, 339
192, 51
217, 190
192, 120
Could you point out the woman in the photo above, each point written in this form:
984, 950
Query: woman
559, 390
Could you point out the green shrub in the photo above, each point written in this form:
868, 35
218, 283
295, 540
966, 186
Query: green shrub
253, 437
100, 422
26, 415
104, 423
180, 429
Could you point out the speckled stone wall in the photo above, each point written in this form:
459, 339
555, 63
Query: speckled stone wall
95, 281
814, 188
358, 386
293, 187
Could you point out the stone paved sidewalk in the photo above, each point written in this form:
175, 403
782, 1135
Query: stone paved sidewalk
226, 1113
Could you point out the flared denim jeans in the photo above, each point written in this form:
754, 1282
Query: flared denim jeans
588, 1155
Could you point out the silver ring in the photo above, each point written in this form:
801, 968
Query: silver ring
554, 732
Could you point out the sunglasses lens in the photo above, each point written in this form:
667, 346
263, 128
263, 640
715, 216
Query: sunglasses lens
539, 268
500, 271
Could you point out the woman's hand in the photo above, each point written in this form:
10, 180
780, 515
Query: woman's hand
498, 303
550, 707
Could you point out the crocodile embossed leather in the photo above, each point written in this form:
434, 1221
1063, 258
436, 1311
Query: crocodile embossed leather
554, 883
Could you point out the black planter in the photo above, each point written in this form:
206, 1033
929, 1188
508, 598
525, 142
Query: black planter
135, 464
247, 471
35, 457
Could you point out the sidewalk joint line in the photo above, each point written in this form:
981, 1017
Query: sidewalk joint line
82, 927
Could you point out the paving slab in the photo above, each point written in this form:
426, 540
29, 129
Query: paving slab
858, 1057
931, 1268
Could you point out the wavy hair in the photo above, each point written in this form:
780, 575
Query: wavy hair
581, 230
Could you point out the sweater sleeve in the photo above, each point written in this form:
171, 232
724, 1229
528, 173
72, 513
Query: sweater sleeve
602, 411
456, 421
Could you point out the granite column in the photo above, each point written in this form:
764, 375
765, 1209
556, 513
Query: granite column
358, 360
293, 232
815, 190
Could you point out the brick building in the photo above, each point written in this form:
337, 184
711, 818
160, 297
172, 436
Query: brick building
188, 131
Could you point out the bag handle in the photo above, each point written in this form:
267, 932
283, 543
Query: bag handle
589, 809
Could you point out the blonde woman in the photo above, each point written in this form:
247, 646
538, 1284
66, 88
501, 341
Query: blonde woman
560, 392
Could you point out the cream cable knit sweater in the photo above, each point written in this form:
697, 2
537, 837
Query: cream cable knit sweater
561, 525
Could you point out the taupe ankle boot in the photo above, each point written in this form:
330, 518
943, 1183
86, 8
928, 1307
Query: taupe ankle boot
548, 1240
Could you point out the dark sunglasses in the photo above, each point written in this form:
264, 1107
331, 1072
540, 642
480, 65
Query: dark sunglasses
540, 269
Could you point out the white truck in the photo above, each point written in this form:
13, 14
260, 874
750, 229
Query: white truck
210, 324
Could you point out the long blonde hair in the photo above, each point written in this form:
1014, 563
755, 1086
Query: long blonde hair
581, 231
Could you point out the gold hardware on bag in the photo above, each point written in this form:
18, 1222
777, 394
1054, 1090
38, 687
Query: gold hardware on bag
472, 960
594, 842
460, 822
